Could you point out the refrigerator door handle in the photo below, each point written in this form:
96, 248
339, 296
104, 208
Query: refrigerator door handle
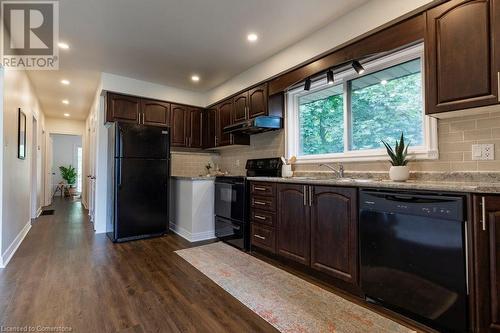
119, 172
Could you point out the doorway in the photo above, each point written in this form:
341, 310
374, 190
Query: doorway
35, 153
66, 159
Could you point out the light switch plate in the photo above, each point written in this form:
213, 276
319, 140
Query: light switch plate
483, 152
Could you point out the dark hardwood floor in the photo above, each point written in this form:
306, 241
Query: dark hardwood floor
65, 275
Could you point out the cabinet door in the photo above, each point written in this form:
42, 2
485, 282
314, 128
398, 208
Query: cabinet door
194, 128
334, 232
257, 101
224, 116
178, 128
155, 113
460, 55
486, 232
293, 223
122, 108
208, 130
240, 107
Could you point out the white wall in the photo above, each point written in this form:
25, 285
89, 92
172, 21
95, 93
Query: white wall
125, 85
65, 126
16, 173
65, 154
358, 22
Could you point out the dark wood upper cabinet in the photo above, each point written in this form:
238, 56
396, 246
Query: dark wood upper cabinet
486, 231
224, 118
155, 113
462, 55
194, 124
122, 108
293, 223
257, 100
240, 105
209, 117
178, 127
334, 240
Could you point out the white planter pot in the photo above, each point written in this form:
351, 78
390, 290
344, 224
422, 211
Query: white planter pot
399, 173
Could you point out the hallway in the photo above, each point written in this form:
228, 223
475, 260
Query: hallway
63, 275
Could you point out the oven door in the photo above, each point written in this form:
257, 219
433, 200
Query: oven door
231, 232
230, 199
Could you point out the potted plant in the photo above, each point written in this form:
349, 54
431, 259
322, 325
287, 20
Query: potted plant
69, 175
399, 171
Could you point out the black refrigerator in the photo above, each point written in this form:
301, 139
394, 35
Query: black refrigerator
138, 181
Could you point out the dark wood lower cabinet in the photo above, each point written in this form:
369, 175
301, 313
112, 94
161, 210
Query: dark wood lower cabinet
293, 223
334, 229
486, 230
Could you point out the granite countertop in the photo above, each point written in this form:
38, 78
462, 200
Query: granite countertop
194, 178
447, 186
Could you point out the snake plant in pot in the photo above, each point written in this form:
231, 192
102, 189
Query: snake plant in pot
399, 171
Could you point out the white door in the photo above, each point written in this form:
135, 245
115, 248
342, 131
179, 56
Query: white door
34, 169
91, 175
49, 188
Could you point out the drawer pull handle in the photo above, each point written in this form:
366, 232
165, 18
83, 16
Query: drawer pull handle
260, 217
260, 188
259, 203
260, 237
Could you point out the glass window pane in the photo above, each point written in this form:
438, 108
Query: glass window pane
321, 122
386, 103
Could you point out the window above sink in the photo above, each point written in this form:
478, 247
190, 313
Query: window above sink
346, 120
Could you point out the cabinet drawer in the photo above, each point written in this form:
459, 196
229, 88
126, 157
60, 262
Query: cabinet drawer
263, 237
266, 189
263, 217
263, 203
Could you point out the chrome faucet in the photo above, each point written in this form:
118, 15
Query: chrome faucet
339, 172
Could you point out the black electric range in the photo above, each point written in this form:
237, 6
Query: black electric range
232, 224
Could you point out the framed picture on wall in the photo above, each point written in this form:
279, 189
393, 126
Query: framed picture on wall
21, 135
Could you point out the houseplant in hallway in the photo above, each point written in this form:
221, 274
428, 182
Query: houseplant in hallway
69, 175
399, 171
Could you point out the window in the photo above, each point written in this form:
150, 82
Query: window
346, 120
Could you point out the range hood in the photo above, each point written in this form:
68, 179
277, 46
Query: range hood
256, 125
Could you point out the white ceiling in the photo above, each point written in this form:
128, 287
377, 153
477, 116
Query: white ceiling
166, 41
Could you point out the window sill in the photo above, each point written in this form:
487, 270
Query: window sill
375, 156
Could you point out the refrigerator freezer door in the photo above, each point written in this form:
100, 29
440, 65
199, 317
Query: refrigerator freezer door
141, 198
139, 141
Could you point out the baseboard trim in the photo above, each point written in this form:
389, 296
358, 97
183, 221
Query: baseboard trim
189, 236
84, 203
39, 211
9, 253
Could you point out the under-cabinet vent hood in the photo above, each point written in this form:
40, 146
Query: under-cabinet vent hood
256, 125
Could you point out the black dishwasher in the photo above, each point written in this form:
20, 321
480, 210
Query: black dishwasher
413, 256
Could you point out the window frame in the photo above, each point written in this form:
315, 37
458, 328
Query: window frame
427, 151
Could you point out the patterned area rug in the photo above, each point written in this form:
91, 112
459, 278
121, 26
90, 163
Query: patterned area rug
285, 301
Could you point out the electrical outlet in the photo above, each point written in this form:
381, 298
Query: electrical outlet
483, 152
237, 163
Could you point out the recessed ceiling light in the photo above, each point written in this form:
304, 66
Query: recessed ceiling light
384, 82
252, 37
66, 114
63, 45
65, 101
195, 78
65, 82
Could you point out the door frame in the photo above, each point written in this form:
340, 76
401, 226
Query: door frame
35, 209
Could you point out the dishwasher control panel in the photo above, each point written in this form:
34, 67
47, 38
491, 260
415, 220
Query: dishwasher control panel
434, 206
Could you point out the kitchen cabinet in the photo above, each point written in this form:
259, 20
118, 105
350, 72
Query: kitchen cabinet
178, 125
257, 101
225, 118
209, 128
194, 128
122, 108
263, 215
462, 48
294, 239
155, 113
240, 112
486, 231
250, 104
334, 241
